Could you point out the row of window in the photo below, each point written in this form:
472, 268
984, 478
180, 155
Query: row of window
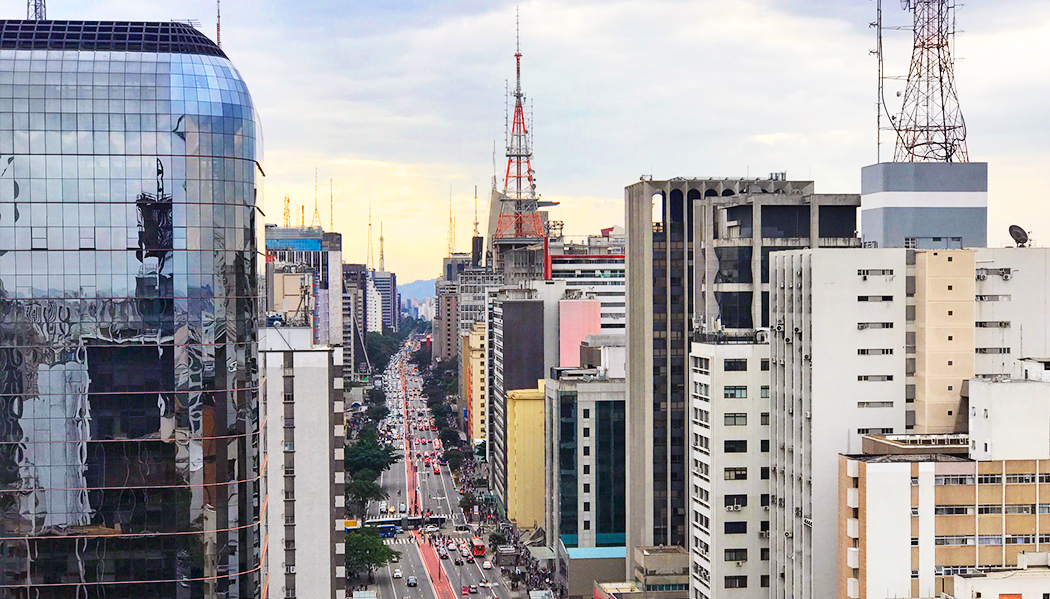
741, 473
966, 540
989, 479
995, 508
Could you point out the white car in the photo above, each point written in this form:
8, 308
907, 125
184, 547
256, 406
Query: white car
431, 529
398, 573
486, 565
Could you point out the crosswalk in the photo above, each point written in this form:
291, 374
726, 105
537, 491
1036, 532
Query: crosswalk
405, 540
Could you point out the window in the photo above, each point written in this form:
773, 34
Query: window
586, 450
953, 510
736, 555
949, 287
990, 479
586, 413
765, 364
950, 337
740, 500
1022, 508
735, 528
1020, 479
765, 391
586, 506
736, 582
874, 298
735, 392
954, 540
586, 487
874, 431
765, 418
950, 313
586, 431
1019, 539
874, 404
734, 365
992, 350
874, 377
736, 446
953, 479
765, 581
764, 499
990, 540
991, 508
874, 325
875, 352
763, 554
764, 445
736, 473
586, 524
736, 419
586, 468
765, 472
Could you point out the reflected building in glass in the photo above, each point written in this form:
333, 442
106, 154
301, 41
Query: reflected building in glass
129, 405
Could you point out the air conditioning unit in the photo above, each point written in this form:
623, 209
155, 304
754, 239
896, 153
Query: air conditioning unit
798, 511
808, 522
787, 339
982, 276
1006, 276
289, 569
789, 534
861, 326
733, 508
780, 327
808, 415
1004, 324
765, 507
740, 564
763, 534
807, 356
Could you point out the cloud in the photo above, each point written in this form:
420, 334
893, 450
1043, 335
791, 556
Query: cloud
395, 101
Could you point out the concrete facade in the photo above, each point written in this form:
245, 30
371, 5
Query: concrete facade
578, 318
446, 337
925, 205
304, 409
835, 376
697, 255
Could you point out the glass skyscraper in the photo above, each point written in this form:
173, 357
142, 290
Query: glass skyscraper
129, 419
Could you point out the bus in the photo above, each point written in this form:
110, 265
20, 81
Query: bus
386, 531
477, 546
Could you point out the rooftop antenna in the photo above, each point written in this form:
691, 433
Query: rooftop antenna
519, 186
476, 233
287, 212
36, 10
218, 23
382, 258
369, 259
316, 220
302, 215
930, 127
451, 225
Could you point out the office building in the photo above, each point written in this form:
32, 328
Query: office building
452, 266
473, 383
129, 297
597, 267
525, 491
470, 302
304, 429
522, 344
697, 255
446, 323
373, 307
355, 321
925, 205
916, 510
386, 284
838, 327
313, 250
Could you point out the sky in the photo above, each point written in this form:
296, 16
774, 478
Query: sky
400, 104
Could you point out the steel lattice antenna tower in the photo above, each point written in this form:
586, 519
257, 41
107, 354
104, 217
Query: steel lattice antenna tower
316, 220
36, 10
519, 184
931, 126
451, 226
287, 212
370, 259
382, 258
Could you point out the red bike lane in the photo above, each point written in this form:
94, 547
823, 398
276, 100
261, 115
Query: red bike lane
442, 586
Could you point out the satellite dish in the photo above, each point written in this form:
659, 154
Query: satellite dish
1019, 235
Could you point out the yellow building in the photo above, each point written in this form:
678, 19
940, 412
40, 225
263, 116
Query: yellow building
526, 491
473, 381
944, 337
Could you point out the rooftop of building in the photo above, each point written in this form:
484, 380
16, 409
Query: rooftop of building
892, 458
935, 440
662, 550
1028, 565
596, 552
106, 36
584, 374
606, 340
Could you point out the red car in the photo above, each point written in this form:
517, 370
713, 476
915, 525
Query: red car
466, 590
437, 470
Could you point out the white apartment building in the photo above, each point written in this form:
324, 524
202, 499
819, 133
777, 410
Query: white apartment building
375, 308
838, 329
729, 467
303, 405
600, 275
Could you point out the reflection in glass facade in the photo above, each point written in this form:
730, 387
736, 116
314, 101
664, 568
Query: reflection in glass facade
129, 432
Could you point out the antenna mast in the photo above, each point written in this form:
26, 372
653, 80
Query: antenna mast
218, 23
369, 259
287, 212
316, 220
931, 126
382, 258
451, 226
476, 233
36, 10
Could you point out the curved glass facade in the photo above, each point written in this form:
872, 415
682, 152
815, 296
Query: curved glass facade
129, 420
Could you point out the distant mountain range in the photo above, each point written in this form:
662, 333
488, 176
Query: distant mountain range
417, 289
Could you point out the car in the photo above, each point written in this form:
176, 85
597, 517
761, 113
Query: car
469, 558
382, 506
465, 590
403, 508
486, 565
437, 470
473, 589
412, 581
392, 510
452, 546
398, 573
442, 554
458, 561
431, 529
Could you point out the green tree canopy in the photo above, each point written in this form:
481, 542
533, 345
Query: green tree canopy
467, 501
449, 438
497, 538
359, 492
368, 454
454, 457
366, 552
376, 413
